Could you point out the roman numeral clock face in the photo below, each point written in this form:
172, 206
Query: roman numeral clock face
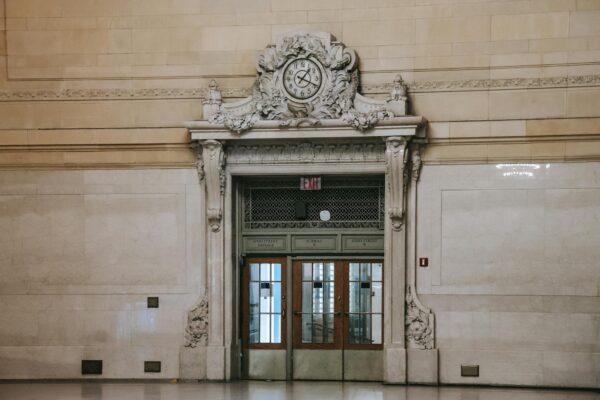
302, 79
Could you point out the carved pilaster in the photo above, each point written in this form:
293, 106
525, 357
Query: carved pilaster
395, 162
213, 159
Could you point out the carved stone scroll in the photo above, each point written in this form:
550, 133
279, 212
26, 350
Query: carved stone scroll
213, 158
196, 331
395, 162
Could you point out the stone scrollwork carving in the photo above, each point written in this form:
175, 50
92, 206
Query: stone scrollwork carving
213, 158
196, 331
337, 98
416, 164
419, 323
395, 163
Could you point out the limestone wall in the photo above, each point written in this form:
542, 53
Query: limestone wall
97, 169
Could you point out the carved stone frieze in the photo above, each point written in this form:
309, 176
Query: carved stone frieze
395, 171
213, 158
196, 331
231, 93
419, 323
286, 153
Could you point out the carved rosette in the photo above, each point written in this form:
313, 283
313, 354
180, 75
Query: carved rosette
196, 331
419, 323
213, 158
395, 166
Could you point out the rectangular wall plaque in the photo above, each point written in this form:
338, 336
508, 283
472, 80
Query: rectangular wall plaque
367, 242
314, 242
152, 366
265, 243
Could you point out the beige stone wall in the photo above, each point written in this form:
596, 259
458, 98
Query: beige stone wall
95, 85
479, 69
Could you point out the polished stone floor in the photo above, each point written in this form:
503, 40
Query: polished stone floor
274, 391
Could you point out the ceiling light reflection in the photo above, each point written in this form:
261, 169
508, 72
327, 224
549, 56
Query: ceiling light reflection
518, 169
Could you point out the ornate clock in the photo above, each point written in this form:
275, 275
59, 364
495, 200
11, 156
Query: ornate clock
302, 79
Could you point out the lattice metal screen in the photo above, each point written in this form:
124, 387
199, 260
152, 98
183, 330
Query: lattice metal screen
352, 203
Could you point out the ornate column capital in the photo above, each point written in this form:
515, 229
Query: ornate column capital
395, 157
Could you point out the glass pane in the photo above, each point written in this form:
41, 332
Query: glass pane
254, 272
317, 271
265, 298
328, 299
365, 297
264, 328
354, 328
354, 272
328, 272
354, 297
265, 272
307, 271
365, 271
377, 327
276, 299
359, 326
317, 330
276, 272
376, 299
317, 297
377, 271
254, 330
306, 328
275, 328
307, 297
328, 328
253, 297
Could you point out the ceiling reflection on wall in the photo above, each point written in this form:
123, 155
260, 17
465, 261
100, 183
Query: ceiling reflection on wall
519, 169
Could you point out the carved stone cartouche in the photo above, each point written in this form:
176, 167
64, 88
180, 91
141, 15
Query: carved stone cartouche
337, 99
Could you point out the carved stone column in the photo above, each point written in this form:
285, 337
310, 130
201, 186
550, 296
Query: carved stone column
394, 268
422, 358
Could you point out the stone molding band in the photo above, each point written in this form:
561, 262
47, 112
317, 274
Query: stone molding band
201, 93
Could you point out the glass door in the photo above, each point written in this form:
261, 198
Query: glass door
264, 318
338, 320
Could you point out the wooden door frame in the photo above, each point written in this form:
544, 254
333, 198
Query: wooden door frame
246, 304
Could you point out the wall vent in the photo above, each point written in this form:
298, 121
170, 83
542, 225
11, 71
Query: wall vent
152, 302
469, 370
152, 366
91, 367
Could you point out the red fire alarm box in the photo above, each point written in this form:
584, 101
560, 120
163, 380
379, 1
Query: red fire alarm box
423, 262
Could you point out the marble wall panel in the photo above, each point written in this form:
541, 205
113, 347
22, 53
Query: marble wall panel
81, 252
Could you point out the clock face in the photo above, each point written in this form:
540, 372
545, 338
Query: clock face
302, 78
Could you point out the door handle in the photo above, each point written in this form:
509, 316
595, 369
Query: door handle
283, 313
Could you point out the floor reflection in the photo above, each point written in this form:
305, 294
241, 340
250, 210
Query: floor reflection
275, 391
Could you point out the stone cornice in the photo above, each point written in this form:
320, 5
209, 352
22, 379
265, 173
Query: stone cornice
200, 93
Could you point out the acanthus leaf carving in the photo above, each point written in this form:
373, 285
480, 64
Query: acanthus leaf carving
196, 331
419, 323
395, 170
213, 158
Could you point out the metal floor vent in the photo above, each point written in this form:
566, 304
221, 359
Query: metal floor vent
352, 202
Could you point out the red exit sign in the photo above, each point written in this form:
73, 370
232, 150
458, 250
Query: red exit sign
310, 183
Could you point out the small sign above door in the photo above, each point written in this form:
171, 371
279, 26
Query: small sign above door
310, 183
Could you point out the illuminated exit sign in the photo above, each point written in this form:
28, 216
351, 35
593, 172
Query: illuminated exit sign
310, 183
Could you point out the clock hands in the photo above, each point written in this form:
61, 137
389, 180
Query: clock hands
303, 78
